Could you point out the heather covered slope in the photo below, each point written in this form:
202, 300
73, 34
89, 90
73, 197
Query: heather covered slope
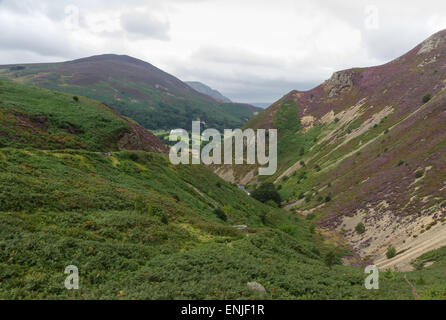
367, 146
135, 88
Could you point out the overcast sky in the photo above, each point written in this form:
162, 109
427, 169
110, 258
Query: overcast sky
250, 50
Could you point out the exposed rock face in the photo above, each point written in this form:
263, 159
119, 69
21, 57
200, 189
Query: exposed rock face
242, 228
339, 81
256, 286
432, 43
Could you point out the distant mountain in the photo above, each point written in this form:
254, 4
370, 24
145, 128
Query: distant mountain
262, 105
367, 146
204, 89
137, 89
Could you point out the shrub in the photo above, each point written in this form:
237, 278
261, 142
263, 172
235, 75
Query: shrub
360, 228
419, 174
308, 198
312, 228
427, 97
218, 184
76, 98
336, 120
330, 259
391, 252
267, 192
327, 199
317, 168
301, 196
302, 163
134, 157
165, 219
140, 205
220, 214
400, 163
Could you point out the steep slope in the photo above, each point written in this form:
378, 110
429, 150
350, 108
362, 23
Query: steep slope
204, 89
135, 88
368, 145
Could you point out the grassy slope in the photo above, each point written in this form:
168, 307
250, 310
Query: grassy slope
79, 208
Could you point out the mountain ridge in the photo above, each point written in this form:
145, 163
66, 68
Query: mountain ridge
202, 88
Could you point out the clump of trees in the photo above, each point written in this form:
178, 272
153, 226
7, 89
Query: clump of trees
267, 192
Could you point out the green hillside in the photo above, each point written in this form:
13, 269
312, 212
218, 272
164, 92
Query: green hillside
138, 227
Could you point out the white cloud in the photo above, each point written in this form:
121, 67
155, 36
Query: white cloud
250, 50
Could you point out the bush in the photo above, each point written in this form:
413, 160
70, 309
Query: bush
312, 228
327, 199
165, 219
76, 98
360, 228
400, 163
220, 214
140, 205
427, 97
308, 198
267, 192
330, 259
391, 252
419, 174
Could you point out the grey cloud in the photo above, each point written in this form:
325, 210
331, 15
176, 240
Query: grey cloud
145, 24
234, 56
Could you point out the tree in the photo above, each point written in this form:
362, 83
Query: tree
220, 214
267, 192
427, 97
360, 228
391, 252
330, 259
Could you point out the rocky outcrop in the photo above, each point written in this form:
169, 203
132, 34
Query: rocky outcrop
339, 81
